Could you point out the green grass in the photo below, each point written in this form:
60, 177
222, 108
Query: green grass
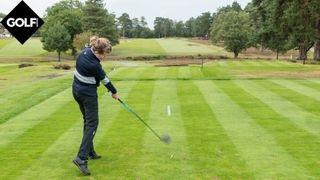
138, 47
4, 42
184, 47
32, 48
230, 120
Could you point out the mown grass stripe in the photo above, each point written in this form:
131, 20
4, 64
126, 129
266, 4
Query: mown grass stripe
124, 140
160, 160
26, 120
197, 71
239, 63
305, 102
212, 153
313, 83
255, 145
184, 72
22, 151
60, 153
303, 90
309, 83
267, 64
222, 63
302, 118
127, 74
286, 63
117, 72
273, 64
61, 163
172, 72
253, 63
300, 144
29, 95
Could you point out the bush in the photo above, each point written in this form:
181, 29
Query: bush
62, 66
25, 65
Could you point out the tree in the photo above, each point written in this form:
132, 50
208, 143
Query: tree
266, 34
232, 28
82, 39
204, 23
298, 21
234, 7
315, 8
125, 24
136, 28
69, 14
191, 28
284, 25
180, 29
57, 38
145, 32
97, 19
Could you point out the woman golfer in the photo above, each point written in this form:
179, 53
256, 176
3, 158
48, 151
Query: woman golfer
87, 77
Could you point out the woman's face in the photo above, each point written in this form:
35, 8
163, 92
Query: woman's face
102, 56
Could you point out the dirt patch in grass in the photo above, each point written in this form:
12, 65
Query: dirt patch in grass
282, 74
192, 44
180, 62
62, 66
200, 41
50, 76
169, 57
25, 65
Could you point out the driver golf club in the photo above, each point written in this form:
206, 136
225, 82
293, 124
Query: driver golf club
164, 138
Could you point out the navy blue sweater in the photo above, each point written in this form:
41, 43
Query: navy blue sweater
88, 74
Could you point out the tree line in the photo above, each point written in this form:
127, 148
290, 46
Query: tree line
165, 27
277, 25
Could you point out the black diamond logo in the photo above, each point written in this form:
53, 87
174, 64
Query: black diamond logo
22, 22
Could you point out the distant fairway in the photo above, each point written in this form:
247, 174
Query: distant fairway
131, 47
138, 47
32, 48
232, 120
185, 47
171, 46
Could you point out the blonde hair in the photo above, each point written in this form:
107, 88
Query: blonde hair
100, 45
93, 40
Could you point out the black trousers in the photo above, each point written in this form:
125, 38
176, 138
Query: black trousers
89, 108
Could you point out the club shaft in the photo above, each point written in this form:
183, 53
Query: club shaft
135, 114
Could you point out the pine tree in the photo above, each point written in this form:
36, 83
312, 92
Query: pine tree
97, 20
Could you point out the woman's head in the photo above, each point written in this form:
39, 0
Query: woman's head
100, 46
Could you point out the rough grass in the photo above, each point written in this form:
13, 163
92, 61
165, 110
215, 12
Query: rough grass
223, 125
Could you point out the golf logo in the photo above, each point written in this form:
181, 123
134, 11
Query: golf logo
22, 22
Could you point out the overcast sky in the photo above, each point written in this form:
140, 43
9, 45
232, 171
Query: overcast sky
173, 9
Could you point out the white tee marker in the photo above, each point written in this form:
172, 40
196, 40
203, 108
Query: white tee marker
169, 110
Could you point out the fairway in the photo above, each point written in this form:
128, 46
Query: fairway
12, 48
33, 48
231, 120
185, 47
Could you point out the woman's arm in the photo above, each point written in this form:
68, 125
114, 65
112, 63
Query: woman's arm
101, 75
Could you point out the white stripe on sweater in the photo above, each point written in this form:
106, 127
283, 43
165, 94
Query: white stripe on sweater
84, 79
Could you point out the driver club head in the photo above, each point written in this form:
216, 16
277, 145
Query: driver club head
166, 139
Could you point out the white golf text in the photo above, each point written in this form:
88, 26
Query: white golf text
22, 22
